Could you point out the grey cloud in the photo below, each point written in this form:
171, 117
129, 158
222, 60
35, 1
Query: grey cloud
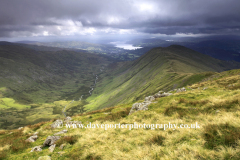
165, 17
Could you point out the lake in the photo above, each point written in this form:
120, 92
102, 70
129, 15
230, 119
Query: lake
124, 45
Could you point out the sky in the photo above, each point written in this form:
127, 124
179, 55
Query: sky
75, 19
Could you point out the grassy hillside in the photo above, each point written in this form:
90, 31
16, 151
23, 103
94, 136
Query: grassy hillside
36, 85
213, 104
159, 69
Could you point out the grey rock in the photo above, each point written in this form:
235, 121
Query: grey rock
20, 128
158, 95
181, 90
61, 132
52, 147
44, 158
51, 140
149, 98
139, 107
32, 138
57, 123
205, 88
36, 149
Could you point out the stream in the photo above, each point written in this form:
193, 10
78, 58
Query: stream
90, 92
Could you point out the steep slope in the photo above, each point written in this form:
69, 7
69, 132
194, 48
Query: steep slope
25, 72
159, 69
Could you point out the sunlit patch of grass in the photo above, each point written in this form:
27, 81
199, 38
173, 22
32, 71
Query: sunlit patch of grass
10, 103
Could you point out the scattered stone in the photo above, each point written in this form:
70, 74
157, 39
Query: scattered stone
20, 128
51, 140
62, 146
205, 88
44, 158
149, 98
36, 149
32, 138
61, 132
57, 123
52, 147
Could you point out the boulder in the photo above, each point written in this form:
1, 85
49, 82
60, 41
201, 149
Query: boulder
44, 158
61, 132
57, 123
149, 98
36, 149
52, 147
32, 138
51, 140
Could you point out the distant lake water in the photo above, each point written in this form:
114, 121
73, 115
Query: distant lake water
124, 45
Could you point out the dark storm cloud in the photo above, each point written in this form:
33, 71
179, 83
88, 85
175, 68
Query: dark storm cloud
70, 17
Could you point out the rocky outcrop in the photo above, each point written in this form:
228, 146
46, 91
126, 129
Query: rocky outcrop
36, 149
61, 132
57, 123
51, 140
32, 138
44, 158
148, 100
